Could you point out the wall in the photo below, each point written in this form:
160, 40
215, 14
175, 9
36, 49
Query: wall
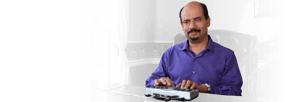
141, 20
235, 15
264, 28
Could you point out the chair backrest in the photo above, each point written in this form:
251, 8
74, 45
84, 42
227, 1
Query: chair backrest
179, 38
241, 44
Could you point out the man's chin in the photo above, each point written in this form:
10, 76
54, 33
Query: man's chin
194, 38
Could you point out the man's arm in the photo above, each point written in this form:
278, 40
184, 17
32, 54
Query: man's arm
159, 72
231, 82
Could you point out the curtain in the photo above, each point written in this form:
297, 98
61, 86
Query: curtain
100, 32
120, 39
107, 22
111, 18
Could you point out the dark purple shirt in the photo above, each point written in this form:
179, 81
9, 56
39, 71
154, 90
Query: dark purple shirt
215, 65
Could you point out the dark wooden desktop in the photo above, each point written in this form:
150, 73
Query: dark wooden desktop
137, 90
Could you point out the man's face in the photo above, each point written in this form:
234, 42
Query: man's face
193, 18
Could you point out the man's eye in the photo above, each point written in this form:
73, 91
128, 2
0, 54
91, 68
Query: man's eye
186, 21
198, 19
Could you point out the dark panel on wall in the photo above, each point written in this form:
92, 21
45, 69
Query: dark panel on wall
269, 8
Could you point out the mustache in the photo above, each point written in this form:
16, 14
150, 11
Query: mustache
196, 30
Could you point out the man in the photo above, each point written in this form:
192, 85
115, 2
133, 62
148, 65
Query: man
199, 63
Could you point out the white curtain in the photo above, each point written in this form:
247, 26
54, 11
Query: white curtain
111, 18
106, 64
120, 32
98, 43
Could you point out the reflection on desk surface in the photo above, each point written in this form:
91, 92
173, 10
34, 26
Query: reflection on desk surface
127, 93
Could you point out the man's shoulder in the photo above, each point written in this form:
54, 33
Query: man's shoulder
176, 47
221, 48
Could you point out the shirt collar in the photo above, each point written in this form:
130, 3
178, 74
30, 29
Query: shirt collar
210, 45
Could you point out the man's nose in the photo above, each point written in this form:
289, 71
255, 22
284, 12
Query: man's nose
193, 25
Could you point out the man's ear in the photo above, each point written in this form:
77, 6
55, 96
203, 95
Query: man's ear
208, 21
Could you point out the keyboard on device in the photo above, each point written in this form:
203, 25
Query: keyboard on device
171, 93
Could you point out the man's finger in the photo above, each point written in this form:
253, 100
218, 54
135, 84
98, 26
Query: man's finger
156, 82
163, 81
170, 82
178, 85
183, 83
188, 84
193, 85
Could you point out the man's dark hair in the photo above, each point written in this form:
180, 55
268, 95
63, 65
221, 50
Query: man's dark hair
205, 11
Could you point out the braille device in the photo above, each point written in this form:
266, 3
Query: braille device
171, 93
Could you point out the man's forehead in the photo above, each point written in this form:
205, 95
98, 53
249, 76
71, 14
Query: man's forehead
191, 14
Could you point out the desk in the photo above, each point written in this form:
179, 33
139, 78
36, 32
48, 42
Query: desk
129, 93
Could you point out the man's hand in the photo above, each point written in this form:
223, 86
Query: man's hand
192, 85
163, 81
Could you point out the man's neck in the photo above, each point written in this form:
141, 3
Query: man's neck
198, 46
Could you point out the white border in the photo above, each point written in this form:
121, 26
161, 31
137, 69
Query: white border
281, 4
